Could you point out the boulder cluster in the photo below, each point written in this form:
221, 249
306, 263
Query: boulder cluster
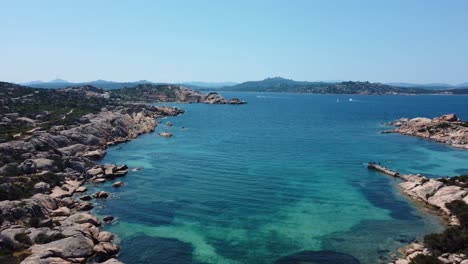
414, 249
42, 201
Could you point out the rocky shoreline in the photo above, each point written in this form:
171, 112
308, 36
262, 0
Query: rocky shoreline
449, 196
52, 226
438, 194
50, 140
447, 129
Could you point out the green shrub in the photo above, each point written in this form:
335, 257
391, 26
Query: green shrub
461, 181
44, 238
451, 240
425, 259
443, 125
460, 209
34, 222
23, 238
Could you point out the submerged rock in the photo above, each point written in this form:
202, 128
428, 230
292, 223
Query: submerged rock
108, 218
86, 198
318, 257
117, 184
157, 248
101, 195
165, 134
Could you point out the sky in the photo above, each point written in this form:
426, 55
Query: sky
418, 41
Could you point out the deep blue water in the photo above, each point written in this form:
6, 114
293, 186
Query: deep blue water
278, 179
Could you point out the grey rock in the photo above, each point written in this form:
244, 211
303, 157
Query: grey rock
101, 195
86, 198
42, 187
81, 218
118, 184
85, 206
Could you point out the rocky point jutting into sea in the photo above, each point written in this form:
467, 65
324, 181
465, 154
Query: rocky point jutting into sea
447, 195
447, 129
51, 141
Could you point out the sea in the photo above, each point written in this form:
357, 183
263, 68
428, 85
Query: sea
282, 179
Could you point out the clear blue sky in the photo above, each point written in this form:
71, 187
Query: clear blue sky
383, 41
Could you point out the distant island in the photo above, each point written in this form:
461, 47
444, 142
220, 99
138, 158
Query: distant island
111, 85
282, 85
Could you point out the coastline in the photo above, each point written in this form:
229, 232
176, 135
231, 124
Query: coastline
429, 195
51, 144
53, 209
439, 195
447, 129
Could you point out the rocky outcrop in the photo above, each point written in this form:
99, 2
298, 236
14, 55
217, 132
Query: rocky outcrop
54, 164
433, 192
165, 134
236, 101
67, 153
80, 239
447, 129
168, 93
437, 193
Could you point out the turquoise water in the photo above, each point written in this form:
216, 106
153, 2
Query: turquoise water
283, 174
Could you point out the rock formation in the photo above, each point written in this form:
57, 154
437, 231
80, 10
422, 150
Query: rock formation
447, 129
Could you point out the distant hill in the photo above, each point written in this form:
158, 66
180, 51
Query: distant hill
431, 86
279, 84
103, 84
273, 84
209, 84
110, 85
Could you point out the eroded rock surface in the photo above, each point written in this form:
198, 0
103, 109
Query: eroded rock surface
447, 129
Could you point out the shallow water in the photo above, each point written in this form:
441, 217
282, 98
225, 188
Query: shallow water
281, 175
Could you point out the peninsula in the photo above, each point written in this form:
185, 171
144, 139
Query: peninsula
51, 140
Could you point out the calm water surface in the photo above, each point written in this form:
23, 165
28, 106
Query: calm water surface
281, 175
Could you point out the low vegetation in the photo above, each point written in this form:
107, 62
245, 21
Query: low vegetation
147, 92
23, 186
454, 239
425, 259
44, 238
24, 108
461, 181
23, 238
